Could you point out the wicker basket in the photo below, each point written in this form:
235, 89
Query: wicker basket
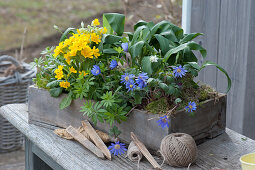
13, 89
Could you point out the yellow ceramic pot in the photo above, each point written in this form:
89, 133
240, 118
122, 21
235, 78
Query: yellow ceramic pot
248, 161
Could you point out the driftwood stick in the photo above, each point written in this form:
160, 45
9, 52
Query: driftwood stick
84, 141
144, 151
96, 139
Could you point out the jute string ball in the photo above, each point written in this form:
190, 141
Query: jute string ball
178, 149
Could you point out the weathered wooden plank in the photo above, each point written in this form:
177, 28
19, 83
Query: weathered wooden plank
144, 151
84, 141
208, 122
96, 139
222, 152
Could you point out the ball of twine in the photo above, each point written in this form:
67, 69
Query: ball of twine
178, 149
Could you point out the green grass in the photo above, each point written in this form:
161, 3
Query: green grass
40, 16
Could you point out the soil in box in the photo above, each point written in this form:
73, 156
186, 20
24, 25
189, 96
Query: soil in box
208, 122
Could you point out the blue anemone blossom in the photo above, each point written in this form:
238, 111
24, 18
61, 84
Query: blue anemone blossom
95, 70
126, 78
142, 80
163, 121
124, 47
113, 64
191, 107
179, 71
130, 85
117, 148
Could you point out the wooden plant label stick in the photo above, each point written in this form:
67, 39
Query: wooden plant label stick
144, 151
96, 139
84, 141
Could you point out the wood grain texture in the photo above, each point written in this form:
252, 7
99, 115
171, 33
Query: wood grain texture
84, 141
96, 139
222, 152
208, 122
229, 38
144, 151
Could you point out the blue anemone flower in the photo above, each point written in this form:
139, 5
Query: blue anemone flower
179, 71
191, 107
113, 64
117, 148
96, 70
163, 121
130, 85
126, 78
142, 80
124, 47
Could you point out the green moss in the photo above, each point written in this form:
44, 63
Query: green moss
158, 106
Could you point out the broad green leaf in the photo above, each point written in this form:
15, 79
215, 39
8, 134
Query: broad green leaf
163, 42
53, 84
55, 92
191, 45
114, 22
189, 37
67, 31
140, 23
210, 63
146, 65
110, 51
110, 39
137, 34
66, 101
136, 49
189, 56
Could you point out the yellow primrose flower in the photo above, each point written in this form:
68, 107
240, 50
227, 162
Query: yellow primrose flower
83, 73
59, 75
95, 52
103, 30
95, 22
64, 84
72, 70
60, 67
95, 38
87, 52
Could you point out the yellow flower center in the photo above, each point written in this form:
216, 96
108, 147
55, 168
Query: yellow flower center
178, 70
131, 85
164, 120
117, 146
190, 106
97, 71
126, 78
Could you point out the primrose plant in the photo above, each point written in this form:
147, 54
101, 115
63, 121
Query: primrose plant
115, 71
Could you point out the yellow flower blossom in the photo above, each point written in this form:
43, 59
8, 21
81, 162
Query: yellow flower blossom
103, 30
95, 52
60, 67
67, 57
95, 22
72, 70
83, 73
95, 38
64, 84
87, 52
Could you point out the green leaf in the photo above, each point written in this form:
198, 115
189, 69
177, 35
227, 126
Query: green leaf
138, 98
114, 131
164, 86
210, 63
191, 45
146, 65
189, 37
110, 39
114, 22
140, 23
67, 31
163, 42
110, 51
55, 92
66, 101
52, 84
136, 49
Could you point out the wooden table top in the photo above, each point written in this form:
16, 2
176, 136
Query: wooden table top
222, 152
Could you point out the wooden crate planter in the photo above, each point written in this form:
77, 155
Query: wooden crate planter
209, 120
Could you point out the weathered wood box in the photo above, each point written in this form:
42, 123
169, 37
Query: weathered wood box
208, 122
